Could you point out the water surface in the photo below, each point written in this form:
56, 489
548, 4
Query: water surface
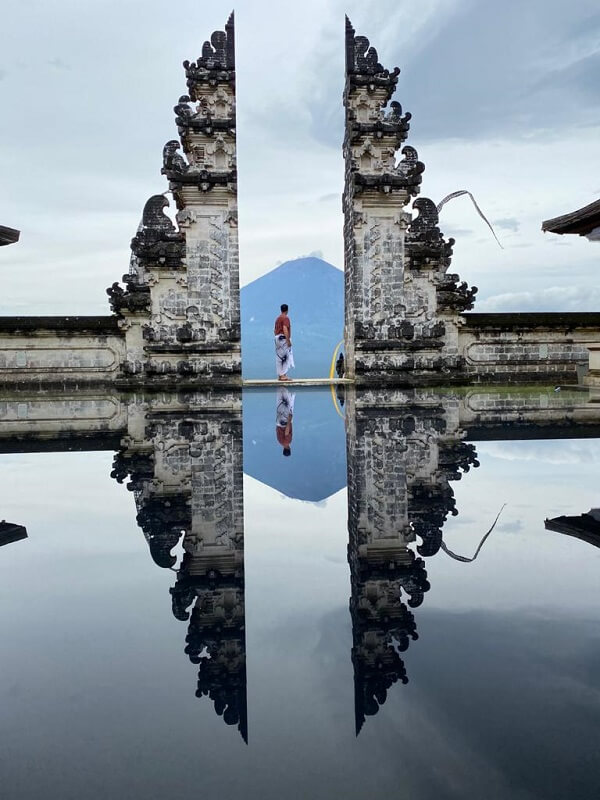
290, 633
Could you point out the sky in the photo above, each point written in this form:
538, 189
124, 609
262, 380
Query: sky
504, 99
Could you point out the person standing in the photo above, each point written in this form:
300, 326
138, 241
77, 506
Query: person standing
284, 358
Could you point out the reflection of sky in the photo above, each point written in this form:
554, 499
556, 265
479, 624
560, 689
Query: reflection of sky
97, 694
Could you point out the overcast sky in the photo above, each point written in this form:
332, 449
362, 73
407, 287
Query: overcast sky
504, 98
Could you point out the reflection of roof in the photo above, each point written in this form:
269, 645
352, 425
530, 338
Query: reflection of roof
585, 527
8, 235
582, 221
9, 532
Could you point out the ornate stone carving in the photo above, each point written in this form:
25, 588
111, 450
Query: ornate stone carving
157, 243
403, 449
173, 162
426, 245
453, 296
395, 273
186, 475
166, 316
183, 111
135, 298
362, 61
217, 62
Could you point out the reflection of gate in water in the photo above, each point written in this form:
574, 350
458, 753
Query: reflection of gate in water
181, 456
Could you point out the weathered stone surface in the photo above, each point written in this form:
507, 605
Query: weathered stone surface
59, 350
401, 306
180, 309
182, 458
519, 348
403, 448
405, 321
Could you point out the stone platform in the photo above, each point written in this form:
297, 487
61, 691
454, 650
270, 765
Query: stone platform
298, 382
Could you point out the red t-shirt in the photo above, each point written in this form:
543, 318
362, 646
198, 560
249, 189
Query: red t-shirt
284, 439
282, 320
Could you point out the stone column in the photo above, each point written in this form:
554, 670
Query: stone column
385, 575
398, 298
181, 307
183, 458
375, 194
403, 448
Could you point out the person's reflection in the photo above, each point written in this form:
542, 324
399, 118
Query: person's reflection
283, 419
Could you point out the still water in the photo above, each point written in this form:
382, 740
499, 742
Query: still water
199, 612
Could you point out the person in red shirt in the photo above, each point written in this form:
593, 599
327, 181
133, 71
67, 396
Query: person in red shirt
284, 358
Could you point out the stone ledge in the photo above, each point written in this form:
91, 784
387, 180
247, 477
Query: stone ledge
515, 429
537, 319
68, 441
373, 345
194, 348
62, 326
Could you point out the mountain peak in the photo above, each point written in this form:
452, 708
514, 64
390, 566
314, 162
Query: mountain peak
314, 291
305, 264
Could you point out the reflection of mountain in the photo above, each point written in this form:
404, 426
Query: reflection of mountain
314, 291
316, 468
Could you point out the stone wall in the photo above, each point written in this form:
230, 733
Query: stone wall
526, 348
60, 350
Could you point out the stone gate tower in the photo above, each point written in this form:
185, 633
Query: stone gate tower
402, 309
181, 309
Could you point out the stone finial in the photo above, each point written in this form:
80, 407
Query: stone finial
154, 219
424, 226
411, 168
134, 298
362, 59
454, 295
157, 239
217, 62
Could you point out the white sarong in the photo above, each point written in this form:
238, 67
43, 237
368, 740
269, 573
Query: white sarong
285, 406
284, 358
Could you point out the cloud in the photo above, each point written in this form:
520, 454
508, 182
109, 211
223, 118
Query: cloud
553, 298
508, 223
58, 63
3, 74
455, 231
511, 527
486, 116
545, 451
312, 254
508, 79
